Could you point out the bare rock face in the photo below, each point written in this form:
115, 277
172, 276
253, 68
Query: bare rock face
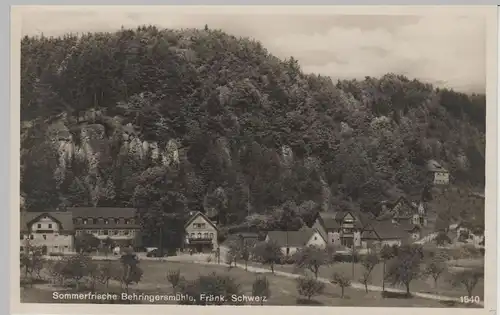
170, 156
286, 154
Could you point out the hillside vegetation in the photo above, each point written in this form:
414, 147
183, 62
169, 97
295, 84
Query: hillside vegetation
172, 121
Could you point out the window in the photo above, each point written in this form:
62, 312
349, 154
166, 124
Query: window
126, 221
106, 232
94, 232
84, 221
211, 235
31, 236
131, 221
288, 250
101, 232
199, 235
22, 237
202, 225
106, 222
421, 220
39, 226
315, 238
126, 232
50, 225
22, 248
115, 232
44, 237
192, 235
205, 235
117, 221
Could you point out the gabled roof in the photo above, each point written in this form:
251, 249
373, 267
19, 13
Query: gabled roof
292, 238
333, 220
434, 166
386, 229
103, 212
64, 219
197, 214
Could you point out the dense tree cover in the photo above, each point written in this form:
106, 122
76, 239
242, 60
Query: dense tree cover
253, 133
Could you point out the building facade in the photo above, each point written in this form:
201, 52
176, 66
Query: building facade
341, 228
53, 231
292, 241
118, 224
439, 175
201, 234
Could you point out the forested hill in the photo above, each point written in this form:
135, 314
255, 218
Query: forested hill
178, 120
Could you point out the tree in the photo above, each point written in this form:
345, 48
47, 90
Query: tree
105, 272
32, 261
232, 254
468, 279
131, 272
436, 266
245, 253
86, 242
76, 267
368, 262
309, 287
268, 253
175, 278
442, 238
160, 198
312, 258
386, 253
260, 288
405, 267
342, 281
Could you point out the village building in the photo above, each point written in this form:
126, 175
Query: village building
292, 241
438, 174
53, 231
387, 232
342, 228
201, 233
402, 210
118, 224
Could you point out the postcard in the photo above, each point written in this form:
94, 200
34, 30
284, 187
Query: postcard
189, 159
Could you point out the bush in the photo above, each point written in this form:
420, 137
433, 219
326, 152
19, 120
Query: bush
309, 287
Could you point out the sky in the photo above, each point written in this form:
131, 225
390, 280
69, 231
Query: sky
445, 48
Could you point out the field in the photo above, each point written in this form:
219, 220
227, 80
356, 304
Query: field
419, 285
283, 289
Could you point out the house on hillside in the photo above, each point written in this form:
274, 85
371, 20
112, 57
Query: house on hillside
53, 231
201, 233
118, 224
438, 174
292, 241
341, 228
402, 210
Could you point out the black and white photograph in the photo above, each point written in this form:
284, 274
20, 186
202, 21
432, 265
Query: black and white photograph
248, 156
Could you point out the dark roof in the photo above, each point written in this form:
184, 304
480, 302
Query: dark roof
386, 229
332, 220
434, 166
103, 212
291, 238
65, 219
195, 215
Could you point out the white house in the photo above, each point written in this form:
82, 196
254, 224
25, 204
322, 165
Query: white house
291, 241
